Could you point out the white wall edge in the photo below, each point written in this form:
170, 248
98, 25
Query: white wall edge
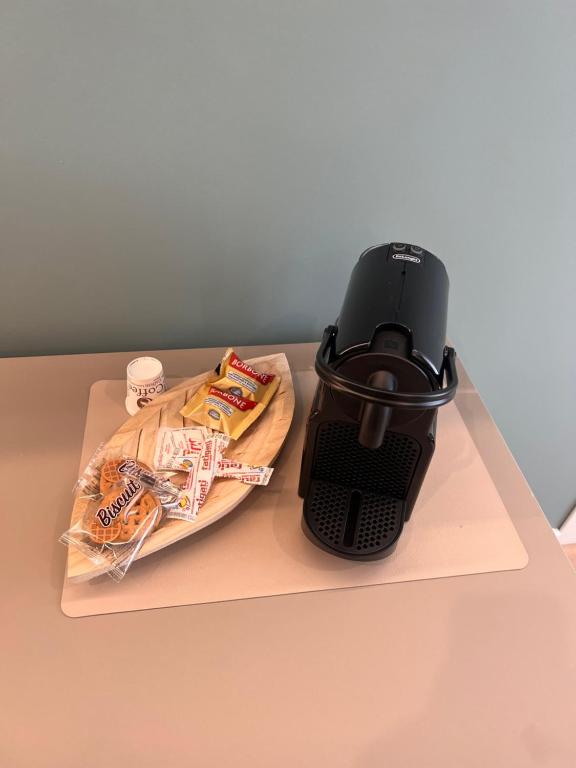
567, 532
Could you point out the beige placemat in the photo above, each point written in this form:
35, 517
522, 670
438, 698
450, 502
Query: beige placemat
459, 526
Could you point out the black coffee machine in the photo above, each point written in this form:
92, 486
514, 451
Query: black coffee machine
371, 430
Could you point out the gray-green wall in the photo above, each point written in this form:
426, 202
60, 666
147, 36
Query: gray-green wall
202, 173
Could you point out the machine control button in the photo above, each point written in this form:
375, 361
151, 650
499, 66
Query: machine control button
399, 246
416, 250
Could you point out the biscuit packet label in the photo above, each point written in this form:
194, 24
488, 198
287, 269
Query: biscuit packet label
241, 379
178, 503
118, 503
130, 468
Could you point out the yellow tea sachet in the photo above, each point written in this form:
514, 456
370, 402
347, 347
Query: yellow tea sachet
222, 411
232, 399
241, 379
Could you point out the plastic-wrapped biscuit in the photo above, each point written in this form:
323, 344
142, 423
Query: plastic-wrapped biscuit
142, 520
121, 502
130, 468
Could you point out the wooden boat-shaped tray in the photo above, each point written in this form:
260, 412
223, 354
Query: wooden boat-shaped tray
259, 445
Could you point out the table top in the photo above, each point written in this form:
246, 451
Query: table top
467, 671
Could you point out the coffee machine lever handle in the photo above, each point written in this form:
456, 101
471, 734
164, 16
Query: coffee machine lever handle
393, 399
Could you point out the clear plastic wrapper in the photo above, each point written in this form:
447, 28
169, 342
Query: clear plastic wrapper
136, 470
116, 544
121, 502
89, 481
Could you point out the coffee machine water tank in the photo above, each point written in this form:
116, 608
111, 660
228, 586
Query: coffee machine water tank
372, 426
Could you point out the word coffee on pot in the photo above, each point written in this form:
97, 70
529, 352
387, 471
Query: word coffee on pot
144, 382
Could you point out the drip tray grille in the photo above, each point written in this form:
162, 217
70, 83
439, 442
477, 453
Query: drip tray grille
353, 523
